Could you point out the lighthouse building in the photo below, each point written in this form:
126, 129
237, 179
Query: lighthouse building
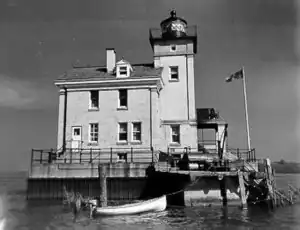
127, 105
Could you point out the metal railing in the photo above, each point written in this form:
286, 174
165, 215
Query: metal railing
173, 155
94, 155
156, 33
243, 154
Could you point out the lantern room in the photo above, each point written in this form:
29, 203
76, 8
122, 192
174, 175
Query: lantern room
173, 28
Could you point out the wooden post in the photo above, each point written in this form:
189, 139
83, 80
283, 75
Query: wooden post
242, 190
274, 186
103, 186
31, 160
223, 190
41, 157
91, 155
290, 196
270, 181
152, 154
219, 151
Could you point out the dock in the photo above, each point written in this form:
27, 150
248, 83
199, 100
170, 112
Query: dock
93, 175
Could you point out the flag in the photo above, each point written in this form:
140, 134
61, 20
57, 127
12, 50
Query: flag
236, 75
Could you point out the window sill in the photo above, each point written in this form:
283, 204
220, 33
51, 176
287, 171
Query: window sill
93, 109
136, 142
122, 108
173, 80
122, 143
93, 144
174, 144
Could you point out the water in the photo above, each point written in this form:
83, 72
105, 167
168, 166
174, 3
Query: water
22, 215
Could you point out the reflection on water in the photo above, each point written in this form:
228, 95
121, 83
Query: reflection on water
23, 215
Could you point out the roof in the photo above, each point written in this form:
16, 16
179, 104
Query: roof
172, 18
122, 61
100, 73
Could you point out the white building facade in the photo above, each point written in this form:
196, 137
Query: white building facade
133, 105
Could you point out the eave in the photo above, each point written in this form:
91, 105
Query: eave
140, 82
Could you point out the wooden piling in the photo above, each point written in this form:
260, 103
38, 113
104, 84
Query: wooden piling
223, 191
275, 198
270, 181
103, 186
242, 190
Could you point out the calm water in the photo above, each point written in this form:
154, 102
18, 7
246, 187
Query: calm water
22, 215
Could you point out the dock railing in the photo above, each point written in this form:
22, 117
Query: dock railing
239, 154
94, 155
232, 158
241, 159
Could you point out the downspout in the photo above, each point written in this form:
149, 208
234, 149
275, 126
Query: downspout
187, 84
65, 120
151, 141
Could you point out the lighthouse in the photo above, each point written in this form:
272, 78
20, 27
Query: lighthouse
174, 47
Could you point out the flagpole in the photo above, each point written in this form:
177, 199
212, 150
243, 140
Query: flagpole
246, 109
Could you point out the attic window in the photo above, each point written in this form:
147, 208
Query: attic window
123, 70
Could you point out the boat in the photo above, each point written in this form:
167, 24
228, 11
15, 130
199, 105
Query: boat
2, 224
153, 205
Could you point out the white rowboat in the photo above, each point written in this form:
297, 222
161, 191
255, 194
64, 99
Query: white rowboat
153, 205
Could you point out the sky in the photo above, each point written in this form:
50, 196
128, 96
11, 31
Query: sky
40, 39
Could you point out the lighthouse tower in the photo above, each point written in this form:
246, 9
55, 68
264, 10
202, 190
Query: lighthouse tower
174, 46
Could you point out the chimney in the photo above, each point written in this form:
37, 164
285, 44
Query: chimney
110, 59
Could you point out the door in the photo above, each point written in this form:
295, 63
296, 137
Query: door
76, 138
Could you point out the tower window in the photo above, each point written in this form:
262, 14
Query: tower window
173, 47
174, 74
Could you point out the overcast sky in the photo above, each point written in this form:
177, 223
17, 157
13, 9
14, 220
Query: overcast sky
41, 39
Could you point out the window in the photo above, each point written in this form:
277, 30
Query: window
94, 99
174, 73
123, 131
173, 47
94, 129
123, 70
123, 98
175, 134
137, 131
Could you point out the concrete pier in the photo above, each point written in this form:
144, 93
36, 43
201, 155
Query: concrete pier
123, 181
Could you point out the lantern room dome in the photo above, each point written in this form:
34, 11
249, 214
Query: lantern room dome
173, 26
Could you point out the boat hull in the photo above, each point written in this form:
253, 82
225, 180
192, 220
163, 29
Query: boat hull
153, 205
